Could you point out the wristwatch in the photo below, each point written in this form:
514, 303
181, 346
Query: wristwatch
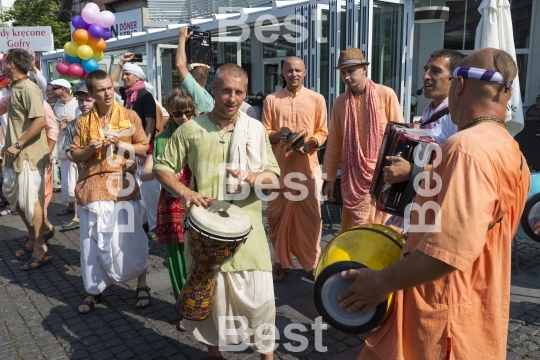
17, 146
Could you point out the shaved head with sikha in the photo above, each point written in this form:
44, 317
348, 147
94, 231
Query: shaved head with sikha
294, 71
471, 98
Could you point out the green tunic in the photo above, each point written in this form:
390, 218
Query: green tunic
197, 142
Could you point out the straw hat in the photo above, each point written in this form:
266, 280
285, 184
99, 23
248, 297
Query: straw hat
350, 57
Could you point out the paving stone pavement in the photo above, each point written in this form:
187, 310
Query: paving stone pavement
39, 319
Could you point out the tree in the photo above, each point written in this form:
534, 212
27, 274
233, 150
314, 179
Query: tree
39, 13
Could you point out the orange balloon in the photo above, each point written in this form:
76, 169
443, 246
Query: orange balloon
81, 36
97, 44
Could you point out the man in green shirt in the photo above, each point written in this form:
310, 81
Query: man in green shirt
26, 156
205, 145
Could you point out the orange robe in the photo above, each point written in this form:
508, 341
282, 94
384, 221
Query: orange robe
296, 225
389, 110
463, 315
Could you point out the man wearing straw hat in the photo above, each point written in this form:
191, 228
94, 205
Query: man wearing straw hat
452, 282
359, 117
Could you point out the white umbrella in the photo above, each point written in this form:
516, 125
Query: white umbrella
495, 30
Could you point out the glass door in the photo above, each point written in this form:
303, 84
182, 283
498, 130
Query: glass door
385, 34
168, 78
272, 69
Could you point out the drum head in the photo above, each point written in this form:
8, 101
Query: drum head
331, 288
223, 220
328, 285
530, 216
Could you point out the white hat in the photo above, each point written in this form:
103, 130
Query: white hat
62, 83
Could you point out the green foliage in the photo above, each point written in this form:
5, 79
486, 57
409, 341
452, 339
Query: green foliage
39, 13
255, 99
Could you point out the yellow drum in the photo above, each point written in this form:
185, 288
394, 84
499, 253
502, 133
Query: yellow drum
367, 246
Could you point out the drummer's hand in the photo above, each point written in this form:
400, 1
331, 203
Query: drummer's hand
399, 172
364, 294
248, 177
191, 197
536, 228
329, 191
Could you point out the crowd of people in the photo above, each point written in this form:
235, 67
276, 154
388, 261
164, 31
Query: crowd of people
125, 160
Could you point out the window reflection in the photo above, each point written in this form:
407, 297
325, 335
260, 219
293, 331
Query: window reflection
460, 29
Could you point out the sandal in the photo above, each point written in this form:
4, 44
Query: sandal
145, 297
90, 304
29, 264
278, 275
65, 212
25, 251
49, 235
46, 237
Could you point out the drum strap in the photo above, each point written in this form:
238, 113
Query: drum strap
436, 116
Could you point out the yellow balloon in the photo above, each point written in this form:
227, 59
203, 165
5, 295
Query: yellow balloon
98, 55
71, 48
85, 52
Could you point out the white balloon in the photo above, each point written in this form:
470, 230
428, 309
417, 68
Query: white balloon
106, 19
90, 15
93, 6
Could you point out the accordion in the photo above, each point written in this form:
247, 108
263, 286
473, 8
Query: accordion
411, 144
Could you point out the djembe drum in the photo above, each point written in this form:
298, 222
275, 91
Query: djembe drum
367, 246
215, 236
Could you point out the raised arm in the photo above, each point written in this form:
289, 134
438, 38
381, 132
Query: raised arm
181, 59
117, 71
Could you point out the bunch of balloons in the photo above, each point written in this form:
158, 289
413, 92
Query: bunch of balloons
88, 43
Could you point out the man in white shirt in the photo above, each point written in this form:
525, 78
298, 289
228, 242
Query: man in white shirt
436, 117
64, 109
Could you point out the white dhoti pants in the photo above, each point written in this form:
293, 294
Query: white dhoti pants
114, 246
70, 173
248, 298
23, 188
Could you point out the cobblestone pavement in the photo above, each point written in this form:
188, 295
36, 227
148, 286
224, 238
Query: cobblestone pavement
39, 319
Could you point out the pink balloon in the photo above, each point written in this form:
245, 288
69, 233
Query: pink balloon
89, 15
93, 6
62, 67
75, 70
106, 19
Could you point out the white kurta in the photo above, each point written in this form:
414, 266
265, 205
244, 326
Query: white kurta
114, 246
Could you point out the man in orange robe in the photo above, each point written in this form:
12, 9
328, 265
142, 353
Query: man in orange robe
294, 211
359, 117
452, 282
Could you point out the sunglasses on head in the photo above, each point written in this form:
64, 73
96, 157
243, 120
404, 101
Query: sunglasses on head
57, 87
178, 114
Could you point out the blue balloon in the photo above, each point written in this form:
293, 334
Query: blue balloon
90, 65
73, 59
95, 31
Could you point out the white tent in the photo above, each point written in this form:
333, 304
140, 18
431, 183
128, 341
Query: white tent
495, 30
